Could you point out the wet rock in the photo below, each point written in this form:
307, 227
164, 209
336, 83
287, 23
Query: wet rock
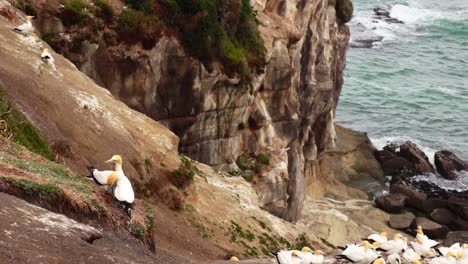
381, 11
344, 10
443, 216
431, 229
364, 39
415, 198
459, 206
448, 164
392, 203
456, 236
401, 221
391, 147
393, 20
417, 157
395, 166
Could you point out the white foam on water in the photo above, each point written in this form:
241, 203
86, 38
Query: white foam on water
412, 15
459, 185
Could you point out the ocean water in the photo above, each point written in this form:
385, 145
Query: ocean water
412, 85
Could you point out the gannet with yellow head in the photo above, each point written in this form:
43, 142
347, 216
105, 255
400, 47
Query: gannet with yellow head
449, 259
25, 27
233, 258
379, 260
378, 237
396, 245
121, 185
394, 259
317, 257
288, 256
410, 255
359, 254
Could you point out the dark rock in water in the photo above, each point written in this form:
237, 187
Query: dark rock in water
394, 165
431, 229
363, 37
393, 20
443, 216
434, 191
417, 157
392, 203
456, 236
448, 164
415, 198
391, 147
401, 221
381, 11
363, 45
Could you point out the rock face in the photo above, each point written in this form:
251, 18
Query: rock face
401, 221
431, 229
448, 164
418, 158
290, 105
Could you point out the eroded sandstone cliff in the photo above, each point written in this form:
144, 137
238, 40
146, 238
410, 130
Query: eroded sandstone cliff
286, 112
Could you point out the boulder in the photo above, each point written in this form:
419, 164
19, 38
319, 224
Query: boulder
417, 157
456, 236
458, 206
393, 20
395, 166
391, 203
401, 221
415, 198
431, 229
443, 216
344, 10
448, 164
381, 11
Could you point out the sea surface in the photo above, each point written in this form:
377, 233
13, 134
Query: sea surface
412, 85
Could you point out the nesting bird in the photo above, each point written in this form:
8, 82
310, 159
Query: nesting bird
379, 260
233, 258
359, 254
46, 56
423, 247
382, 237
409, 256
25, 27
121, 186
394, 259
425, 240
396, 245
288, 257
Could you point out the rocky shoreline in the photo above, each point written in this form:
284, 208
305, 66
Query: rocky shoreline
417, 196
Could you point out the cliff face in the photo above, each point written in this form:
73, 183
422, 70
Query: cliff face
287, 113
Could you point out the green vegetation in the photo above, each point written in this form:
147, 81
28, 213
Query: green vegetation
148, 165
185, 174
263, 158
33, 188
244, 162
149, 213
14, 125
162, 164
138, 231
103, 10
301, 242
248, 175
74, 12
344, 10
210, 32
196, 222
241, 126
135, 26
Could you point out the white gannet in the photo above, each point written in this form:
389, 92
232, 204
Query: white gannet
25, 27
449, 259
359, 254
394, 259
233, 258
288, 256
121, 185
409, 256
423, 248
379, 260
445, 250
426, 240
378, 237
317, 257
396, 245
47, 57
100, 177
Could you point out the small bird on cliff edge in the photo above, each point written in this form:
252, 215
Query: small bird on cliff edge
25, 27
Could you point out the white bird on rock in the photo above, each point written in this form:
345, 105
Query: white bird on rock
394, 259
288, 256
382, 237
309, 258
120, 185
423, 248
409, 256
445, 250
379, 260
359, 254
25, 27
396, 245
47, 57
425, 240
449, 259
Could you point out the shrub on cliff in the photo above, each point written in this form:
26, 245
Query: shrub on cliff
74, 12
344, 10
103, 10
134, 26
